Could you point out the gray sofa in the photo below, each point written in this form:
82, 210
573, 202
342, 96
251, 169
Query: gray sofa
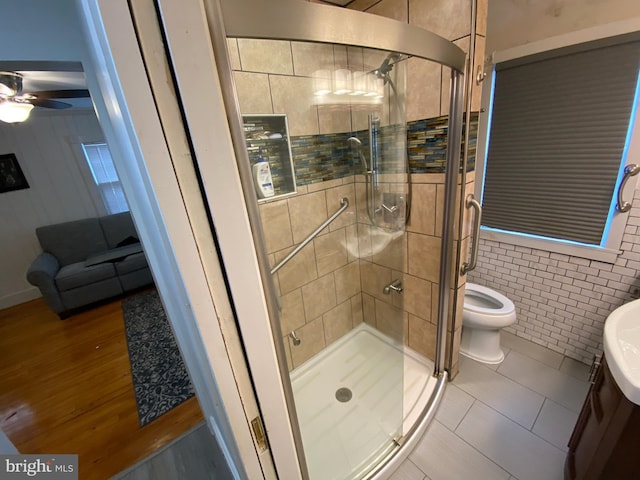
88, 260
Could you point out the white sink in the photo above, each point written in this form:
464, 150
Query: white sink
622, 348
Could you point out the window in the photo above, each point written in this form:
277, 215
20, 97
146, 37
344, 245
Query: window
105, 176
560, 127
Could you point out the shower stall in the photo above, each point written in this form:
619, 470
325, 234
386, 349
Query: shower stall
354, 243
362, 370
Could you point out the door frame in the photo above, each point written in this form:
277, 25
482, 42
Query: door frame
189, 43
127, 112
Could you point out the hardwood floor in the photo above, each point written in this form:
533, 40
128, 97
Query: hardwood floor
65, 387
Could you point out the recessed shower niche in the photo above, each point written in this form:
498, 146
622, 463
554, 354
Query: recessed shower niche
267, 139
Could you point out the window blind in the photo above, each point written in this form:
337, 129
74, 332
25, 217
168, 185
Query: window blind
558, 132
104, 174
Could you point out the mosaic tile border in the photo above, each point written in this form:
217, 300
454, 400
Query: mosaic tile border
319, 158
427, 144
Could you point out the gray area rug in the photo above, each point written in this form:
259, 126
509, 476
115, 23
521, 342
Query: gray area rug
160, 379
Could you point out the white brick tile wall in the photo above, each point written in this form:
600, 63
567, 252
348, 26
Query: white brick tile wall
562, 301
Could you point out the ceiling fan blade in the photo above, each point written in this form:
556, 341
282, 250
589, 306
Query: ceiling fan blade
71, 93
46, 103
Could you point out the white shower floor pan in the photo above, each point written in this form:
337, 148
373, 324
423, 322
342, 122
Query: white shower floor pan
389, 386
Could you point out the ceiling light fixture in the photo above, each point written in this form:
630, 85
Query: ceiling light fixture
14, 112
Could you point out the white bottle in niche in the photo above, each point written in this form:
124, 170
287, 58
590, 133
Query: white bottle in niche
262, 178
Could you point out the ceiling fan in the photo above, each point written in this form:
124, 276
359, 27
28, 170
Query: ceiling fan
16, 105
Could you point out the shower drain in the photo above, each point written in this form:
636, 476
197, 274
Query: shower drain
343, 394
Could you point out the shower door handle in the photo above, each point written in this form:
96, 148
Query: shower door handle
629, 171
471, 202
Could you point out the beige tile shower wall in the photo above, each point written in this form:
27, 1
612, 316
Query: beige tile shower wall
320, 287
383, 260
275, 77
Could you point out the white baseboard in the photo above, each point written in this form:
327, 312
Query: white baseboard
17, 298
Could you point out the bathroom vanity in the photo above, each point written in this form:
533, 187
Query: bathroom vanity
605, 443
606, 439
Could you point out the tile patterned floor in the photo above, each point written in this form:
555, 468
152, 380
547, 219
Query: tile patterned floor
504, 422
510, 421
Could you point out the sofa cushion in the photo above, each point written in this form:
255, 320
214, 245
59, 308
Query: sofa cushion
72, 242
117, 228
134, 262
113, 255
93, 292
78, 275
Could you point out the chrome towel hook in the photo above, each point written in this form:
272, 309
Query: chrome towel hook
629, 171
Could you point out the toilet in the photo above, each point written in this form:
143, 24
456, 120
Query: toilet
485, 313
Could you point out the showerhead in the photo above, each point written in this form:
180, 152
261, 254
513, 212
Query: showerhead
357, 143
387, 65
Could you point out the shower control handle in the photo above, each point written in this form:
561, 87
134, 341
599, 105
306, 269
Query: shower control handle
296, 340
395, 286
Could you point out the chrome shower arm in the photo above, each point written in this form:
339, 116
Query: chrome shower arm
358, 144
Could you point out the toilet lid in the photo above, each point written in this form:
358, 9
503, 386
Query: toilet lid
485, 300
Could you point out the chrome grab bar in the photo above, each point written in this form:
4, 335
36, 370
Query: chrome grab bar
471, 202
629, 171
344, 204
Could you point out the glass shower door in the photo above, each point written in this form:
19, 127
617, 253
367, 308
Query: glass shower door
329, 123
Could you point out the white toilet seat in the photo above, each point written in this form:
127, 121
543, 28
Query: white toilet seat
485, 313
498, 303
486, 308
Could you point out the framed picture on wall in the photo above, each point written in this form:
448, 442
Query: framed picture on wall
11, 176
